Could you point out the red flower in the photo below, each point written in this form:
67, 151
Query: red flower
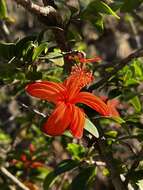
80, 57
90, 60
67, 115
112, 105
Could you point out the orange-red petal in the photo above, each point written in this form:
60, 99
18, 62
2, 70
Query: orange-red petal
59, 120
77, 123
90, 60
92, 101
45, 90
112, 106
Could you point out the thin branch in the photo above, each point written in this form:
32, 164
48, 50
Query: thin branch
116, 68
4, 171
33, 110
48, 15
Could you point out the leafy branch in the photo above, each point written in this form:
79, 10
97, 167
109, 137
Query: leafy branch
116, 67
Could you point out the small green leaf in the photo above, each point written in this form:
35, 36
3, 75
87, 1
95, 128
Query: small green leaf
118, 119
62, 167
98, 7
136, 103
106, 172
77, 151
99, 23
58, 61
90, 127
38, 50
112, 134
68, 134
84, 179
104, 8
3, 9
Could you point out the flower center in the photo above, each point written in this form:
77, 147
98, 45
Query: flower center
81, 76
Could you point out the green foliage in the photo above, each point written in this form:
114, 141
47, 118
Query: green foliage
95, 12
77, 151
129, 5
62, 167
84, 179
3, 9
29, 51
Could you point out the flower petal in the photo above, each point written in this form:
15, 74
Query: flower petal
59, 121
90, 60
92, 101
112, 104
45, 90
77, 123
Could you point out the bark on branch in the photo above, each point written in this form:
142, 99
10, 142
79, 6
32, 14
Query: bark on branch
48, 14
4, 171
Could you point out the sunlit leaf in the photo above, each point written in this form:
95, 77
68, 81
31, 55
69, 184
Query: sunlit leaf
38, 50
136, 103
90, 127
3, 9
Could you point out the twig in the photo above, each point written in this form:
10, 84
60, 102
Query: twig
117, 67
48, 15
33, 110
13, 178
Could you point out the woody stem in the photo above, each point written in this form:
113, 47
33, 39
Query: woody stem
107, 156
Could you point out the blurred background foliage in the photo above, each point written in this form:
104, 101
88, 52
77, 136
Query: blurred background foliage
29, 51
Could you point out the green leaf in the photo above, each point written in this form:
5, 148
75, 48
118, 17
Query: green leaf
136, 103
7, 50
58, 61
129, 5
38, 50
104, 8
62, 167
99, 23
24, 47
68, 134
3, 9
84, 179
117, 119
77, 151
90, 127
136, 175
4, 138
98, 6
112, 133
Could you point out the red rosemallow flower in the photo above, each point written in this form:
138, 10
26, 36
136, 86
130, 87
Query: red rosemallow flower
112, 105
67, 115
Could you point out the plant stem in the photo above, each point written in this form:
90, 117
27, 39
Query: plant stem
107, 156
